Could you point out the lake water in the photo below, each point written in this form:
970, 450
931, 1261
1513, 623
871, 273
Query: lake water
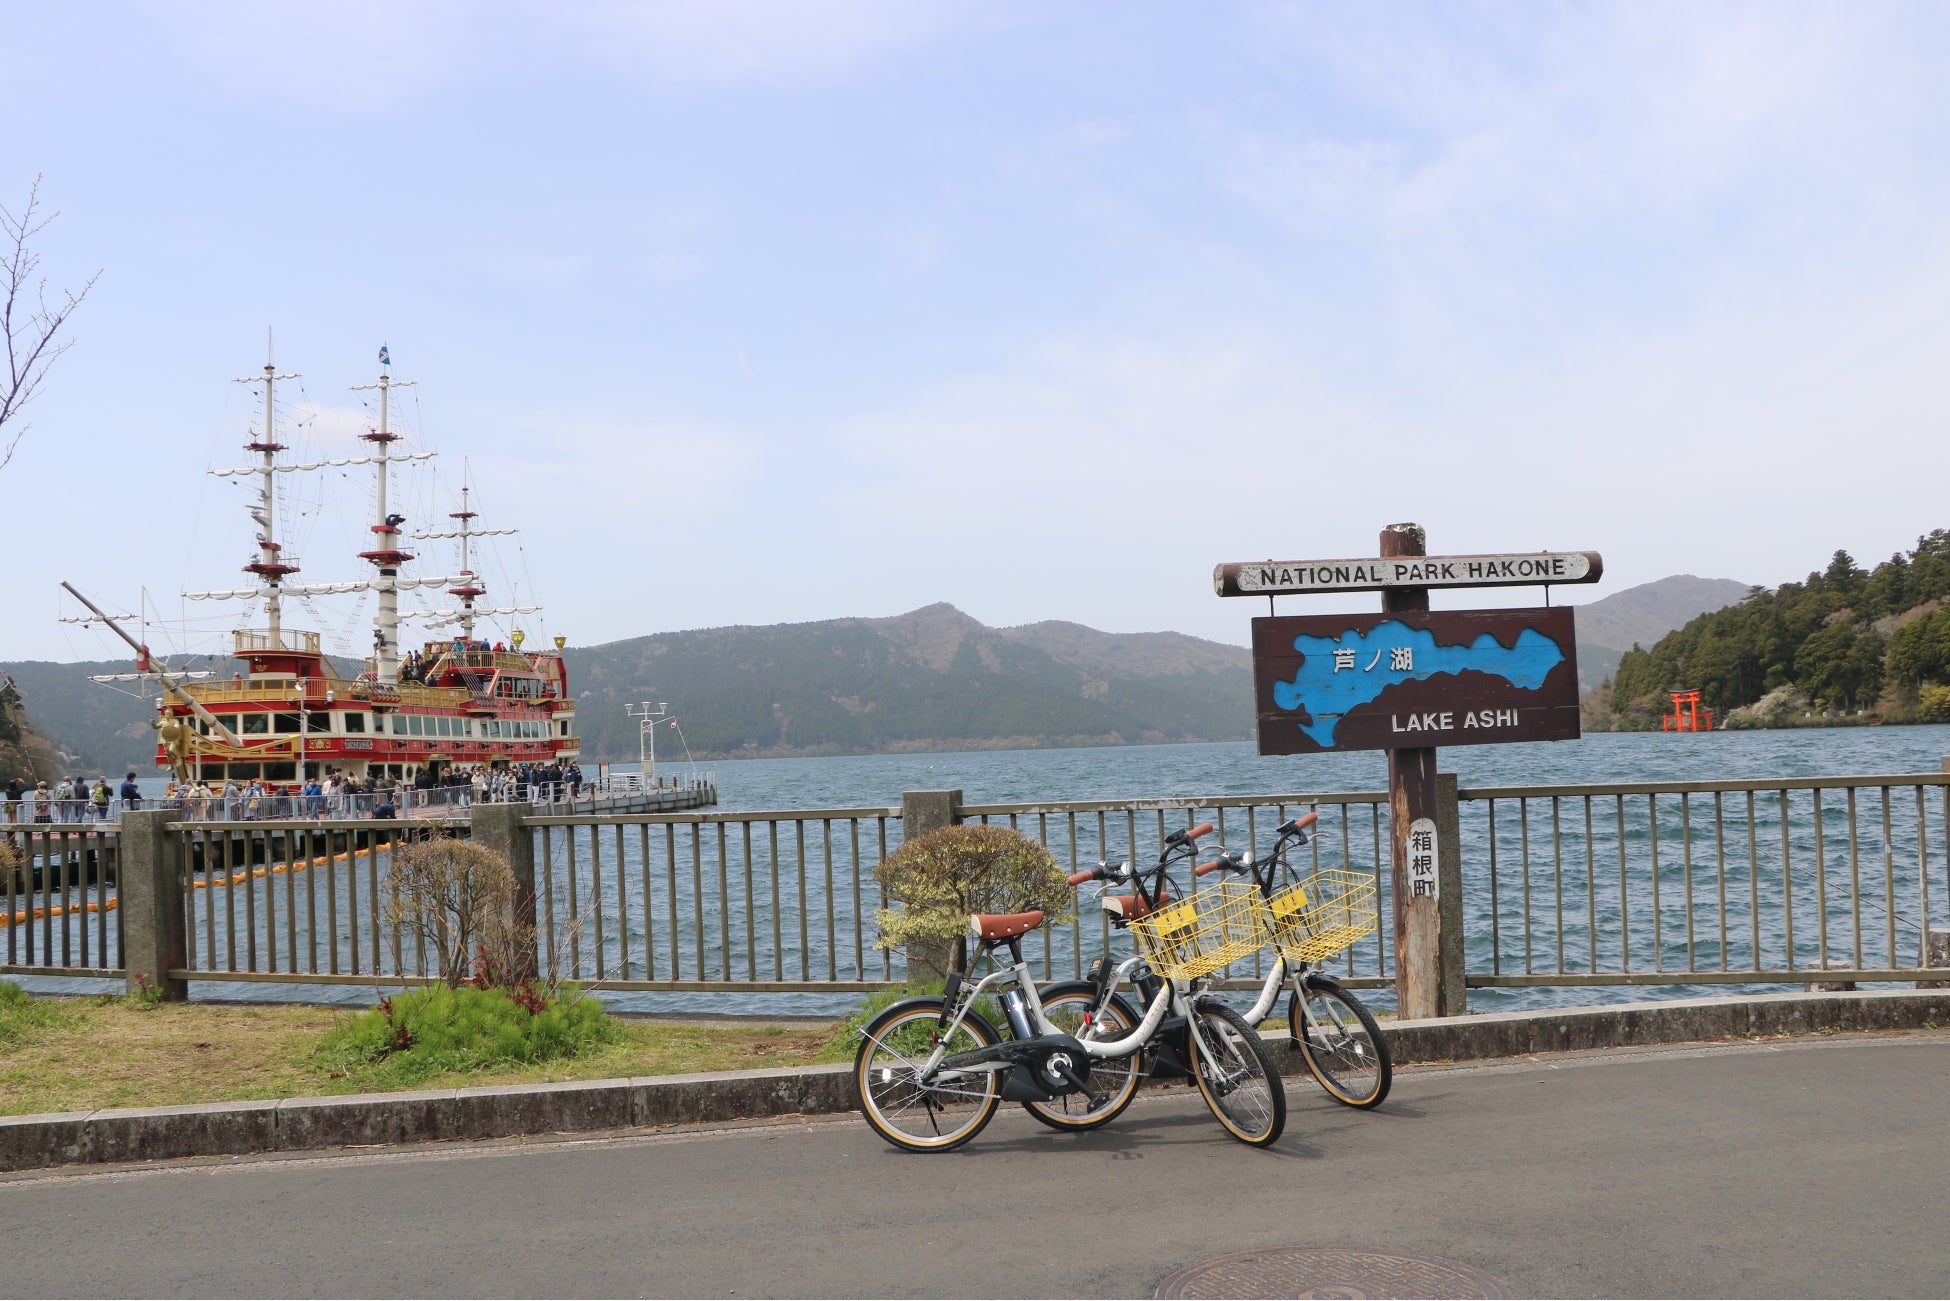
1233, 769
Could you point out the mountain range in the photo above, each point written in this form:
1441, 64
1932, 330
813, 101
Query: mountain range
931, 679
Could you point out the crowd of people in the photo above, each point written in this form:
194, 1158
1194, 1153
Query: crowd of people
417, 666
333, 795
68, 799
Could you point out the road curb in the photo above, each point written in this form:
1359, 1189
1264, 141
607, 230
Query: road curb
360, 1120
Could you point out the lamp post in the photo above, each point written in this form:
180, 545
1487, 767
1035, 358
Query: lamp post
647, 719
304, 724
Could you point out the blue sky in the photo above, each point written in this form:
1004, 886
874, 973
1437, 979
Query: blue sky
770, 312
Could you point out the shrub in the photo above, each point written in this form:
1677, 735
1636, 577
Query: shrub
943, 876
459, 899
1933, 702
438, 1030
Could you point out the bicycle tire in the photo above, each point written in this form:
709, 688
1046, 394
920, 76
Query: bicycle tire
1238, 1081
1341, 1043
895, 1105
1117, 1077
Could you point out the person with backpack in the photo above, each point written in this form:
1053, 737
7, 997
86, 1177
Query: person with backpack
101, 798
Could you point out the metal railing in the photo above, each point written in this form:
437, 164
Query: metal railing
1732, 882
1079, 834
284, 803
764, 902
57, 901
299, 903
1767, 882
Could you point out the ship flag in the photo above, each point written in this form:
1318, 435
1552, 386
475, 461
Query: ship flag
384, 359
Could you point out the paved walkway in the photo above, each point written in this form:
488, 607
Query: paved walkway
1812, 1167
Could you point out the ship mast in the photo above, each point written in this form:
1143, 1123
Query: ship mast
472, 587
470, 582
270, 565
386, 557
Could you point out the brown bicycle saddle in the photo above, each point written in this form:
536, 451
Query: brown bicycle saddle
1004, 926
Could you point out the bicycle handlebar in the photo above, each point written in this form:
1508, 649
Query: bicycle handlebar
1101, 872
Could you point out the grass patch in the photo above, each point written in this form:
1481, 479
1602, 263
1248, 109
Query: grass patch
25, 1019
417, 1036
81, 1054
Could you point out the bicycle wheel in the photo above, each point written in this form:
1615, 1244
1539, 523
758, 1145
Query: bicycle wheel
911, 1115
1338, 1039
1116, 1078
1236, 1074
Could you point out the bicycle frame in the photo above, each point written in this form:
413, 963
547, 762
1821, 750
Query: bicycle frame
1173, 997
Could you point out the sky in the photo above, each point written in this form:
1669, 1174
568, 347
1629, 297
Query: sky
769, 312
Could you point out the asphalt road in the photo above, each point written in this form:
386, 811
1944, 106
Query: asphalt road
1797, 1168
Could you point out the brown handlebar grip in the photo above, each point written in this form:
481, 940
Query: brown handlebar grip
1078, 878
1202, 829
1306, 820
1203, 868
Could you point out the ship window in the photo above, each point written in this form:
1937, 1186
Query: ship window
255, 724
280, 772
417, 726
285, 724
446, 727
399, 727
244, 771
318, 721
355, 723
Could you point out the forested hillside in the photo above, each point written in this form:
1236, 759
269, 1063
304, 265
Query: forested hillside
931, 679
23, 752
1846, 642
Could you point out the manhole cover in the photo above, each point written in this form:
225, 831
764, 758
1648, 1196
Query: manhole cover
1330, 1272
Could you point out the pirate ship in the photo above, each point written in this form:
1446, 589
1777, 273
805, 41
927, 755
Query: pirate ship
288, 714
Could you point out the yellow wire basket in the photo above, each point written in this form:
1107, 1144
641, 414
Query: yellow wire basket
1220, 924
1321, 914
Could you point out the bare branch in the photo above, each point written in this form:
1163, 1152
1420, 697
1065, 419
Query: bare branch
29, 329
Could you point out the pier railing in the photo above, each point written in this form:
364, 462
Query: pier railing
1778, 881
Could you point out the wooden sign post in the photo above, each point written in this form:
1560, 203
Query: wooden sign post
1414, 867
1402, 682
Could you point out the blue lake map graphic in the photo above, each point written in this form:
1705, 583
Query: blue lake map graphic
1341, 673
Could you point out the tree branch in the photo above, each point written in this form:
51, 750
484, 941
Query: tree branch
29, 333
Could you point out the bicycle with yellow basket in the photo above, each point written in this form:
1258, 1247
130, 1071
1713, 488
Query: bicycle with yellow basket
1309, 917
931, 1071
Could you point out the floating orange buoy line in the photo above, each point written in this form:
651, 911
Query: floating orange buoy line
27, 915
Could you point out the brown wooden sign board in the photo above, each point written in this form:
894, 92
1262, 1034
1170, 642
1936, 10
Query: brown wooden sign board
1408, 680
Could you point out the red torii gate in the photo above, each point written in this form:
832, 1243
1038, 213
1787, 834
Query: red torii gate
1687, 715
